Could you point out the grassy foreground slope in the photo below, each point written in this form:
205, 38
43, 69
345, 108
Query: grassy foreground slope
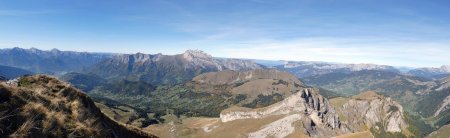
41, 106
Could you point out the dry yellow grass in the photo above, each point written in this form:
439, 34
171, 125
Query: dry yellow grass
443, 132
298, 134
249, 83
196, 122
195, 127
369, 95
263, 87
364, 134
338, 102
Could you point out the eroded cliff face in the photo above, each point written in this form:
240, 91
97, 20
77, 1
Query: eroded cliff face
305, 111
369, 110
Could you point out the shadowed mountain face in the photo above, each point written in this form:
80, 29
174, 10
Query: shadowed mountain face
436, 105
41, 106
12, 72
431, 73
84, 82
166, 69
384, 82
53, 61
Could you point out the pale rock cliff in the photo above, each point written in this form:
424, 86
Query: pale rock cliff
369, 109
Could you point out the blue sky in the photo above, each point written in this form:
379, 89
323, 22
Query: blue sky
393, 32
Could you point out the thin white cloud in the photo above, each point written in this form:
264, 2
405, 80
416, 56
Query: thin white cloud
414, 54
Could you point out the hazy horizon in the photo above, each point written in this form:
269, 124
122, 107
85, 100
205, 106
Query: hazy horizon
397, 33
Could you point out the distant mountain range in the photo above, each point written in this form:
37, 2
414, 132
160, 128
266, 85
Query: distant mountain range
309, 68
352, 83
306, 69
188, 64
13, 72
53, 61
433, 73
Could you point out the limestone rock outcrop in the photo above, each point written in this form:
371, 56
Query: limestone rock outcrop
308, 107
370, 109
